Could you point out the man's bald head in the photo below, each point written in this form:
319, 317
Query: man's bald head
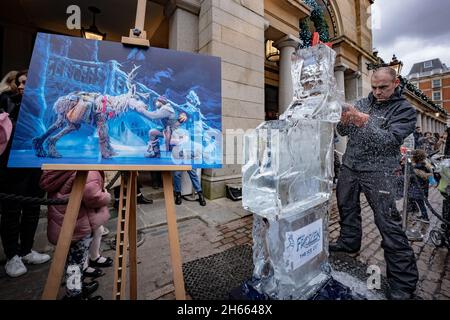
384, 82
386, 70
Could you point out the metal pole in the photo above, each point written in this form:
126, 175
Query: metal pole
405, 189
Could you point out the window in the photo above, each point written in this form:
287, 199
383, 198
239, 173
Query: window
436, 95
428, 64
436, 83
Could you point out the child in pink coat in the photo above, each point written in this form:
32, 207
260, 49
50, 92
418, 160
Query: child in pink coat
93, 214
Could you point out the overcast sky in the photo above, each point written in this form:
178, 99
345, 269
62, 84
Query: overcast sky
415, 30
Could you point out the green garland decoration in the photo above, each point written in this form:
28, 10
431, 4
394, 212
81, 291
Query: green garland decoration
305, 34
320, 24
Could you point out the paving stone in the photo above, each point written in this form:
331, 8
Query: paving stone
429, 287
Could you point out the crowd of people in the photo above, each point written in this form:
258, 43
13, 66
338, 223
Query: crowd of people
424, 173
431, 143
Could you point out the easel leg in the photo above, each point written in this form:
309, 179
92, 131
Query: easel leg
131, 208
120, 263
65, 237
174, 241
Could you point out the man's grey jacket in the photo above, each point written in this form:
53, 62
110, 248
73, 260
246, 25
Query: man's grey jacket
376, 145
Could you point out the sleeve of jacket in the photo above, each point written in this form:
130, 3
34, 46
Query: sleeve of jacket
3, 103
400, 125
422, 174
94, 196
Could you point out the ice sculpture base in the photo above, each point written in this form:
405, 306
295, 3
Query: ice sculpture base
290, 254
331, 290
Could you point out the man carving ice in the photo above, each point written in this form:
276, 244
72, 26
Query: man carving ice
376, 127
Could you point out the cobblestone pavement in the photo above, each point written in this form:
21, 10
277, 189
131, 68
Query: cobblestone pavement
433, 263
200, 238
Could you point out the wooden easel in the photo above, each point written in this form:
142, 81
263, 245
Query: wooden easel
126, 229
126, 222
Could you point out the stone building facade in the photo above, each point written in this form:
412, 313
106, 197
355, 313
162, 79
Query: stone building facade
238, 31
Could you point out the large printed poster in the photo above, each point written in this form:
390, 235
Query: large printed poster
99, 102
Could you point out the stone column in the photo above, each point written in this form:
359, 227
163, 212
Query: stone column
183, 24
352, 84
340, 77
287, 46
429, 128
341, 145
234, 31
419, 120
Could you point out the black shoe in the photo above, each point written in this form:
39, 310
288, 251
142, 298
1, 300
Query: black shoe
80, 297
96, 264
396, 294
143, 200
340, 247
93, 274
201, 199
178, 198
89, 288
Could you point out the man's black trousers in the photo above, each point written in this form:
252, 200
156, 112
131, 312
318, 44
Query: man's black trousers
378, 187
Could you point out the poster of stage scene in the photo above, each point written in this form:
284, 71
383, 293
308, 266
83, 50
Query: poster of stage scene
100, 102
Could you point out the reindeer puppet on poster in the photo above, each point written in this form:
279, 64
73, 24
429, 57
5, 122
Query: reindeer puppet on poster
99, 102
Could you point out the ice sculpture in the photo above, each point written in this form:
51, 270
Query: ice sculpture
287, 182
